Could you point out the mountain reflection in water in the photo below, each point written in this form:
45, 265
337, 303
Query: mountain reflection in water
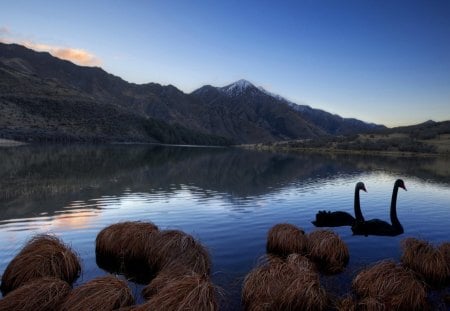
31, 174
227, 198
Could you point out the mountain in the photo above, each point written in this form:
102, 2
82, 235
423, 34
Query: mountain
275, 117
247, 114
333, 124
46, 98
426, 130
43, 98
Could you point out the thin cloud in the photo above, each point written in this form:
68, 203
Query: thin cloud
77, 56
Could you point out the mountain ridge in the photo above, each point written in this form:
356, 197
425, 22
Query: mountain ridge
42, 87
335, 124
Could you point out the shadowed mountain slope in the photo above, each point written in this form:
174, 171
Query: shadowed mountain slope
46, 98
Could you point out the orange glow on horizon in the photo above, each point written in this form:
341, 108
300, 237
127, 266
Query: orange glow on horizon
77, 56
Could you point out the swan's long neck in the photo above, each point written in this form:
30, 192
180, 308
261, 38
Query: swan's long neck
358, 213
394, 219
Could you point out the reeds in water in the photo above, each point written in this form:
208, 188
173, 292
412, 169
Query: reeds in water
44, 294
122, 248
328, 251
284, 285
365, 304
102, 293
392, 285
426, 260
193, 292
174, 247
284, 239
444, 248
43, 256
164, 277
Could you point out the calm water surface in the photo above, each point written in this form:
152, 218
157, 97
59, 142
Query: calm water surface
226, 198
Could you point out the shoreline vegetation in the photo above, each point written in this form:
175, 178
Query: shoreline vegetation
422, 149
396, 144
175, 269
10, 143
424, 140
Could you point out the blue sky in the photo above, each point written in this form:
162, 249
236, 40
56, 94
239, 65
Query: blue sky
380, 61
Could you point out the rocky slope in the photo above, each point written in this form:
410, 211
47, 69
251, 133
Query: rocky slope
45, 98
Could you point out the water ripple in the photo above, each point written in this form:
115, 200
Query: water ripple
229, 210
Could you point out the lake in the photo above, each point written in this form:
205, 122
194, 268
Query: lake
227, 198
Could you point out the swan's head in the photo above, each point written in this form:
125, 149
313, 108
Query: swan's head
399, 183
360, 186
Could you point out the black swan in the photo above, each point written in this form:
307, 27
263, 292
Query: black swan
340, 218
377, 226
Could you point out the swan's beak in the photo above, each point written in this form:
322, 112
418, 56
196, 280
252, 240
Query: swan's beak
404, 187
364, 189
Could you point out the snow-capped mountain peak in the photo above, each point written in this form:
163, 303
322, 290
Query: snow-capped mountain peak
237, 87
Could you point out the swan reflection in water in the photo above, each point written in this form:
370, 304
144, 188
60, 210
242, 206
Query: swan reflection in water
358, 224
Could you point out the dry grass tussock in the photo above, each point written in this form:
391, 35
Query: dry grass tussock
124, 244
192, 292
164, 277
284, 285
366, 304
393, 285
284, 239
44, 294
328, 251
427, 261
345, 304
42, 256
301, 262
103, 293
174, 247
444, 248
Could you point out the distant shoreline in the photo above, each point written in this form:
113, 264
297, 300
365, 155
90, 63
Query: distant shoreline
264, 147
341, 151
10, 143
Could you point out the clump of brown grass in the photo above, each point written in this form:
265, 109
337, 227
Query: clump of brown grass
444, 248
174, 247
427, 261
263, 285
283, 285
366, 304
345, 304
328, 251
284, 239
371, 304
391, 284
269, 258
42, 256
44, 294
122, 248
188, 292
301, 262
164, 277
102, 293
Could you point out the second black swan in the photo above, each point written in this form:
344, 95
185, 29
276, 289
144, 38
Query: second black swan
377, 226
